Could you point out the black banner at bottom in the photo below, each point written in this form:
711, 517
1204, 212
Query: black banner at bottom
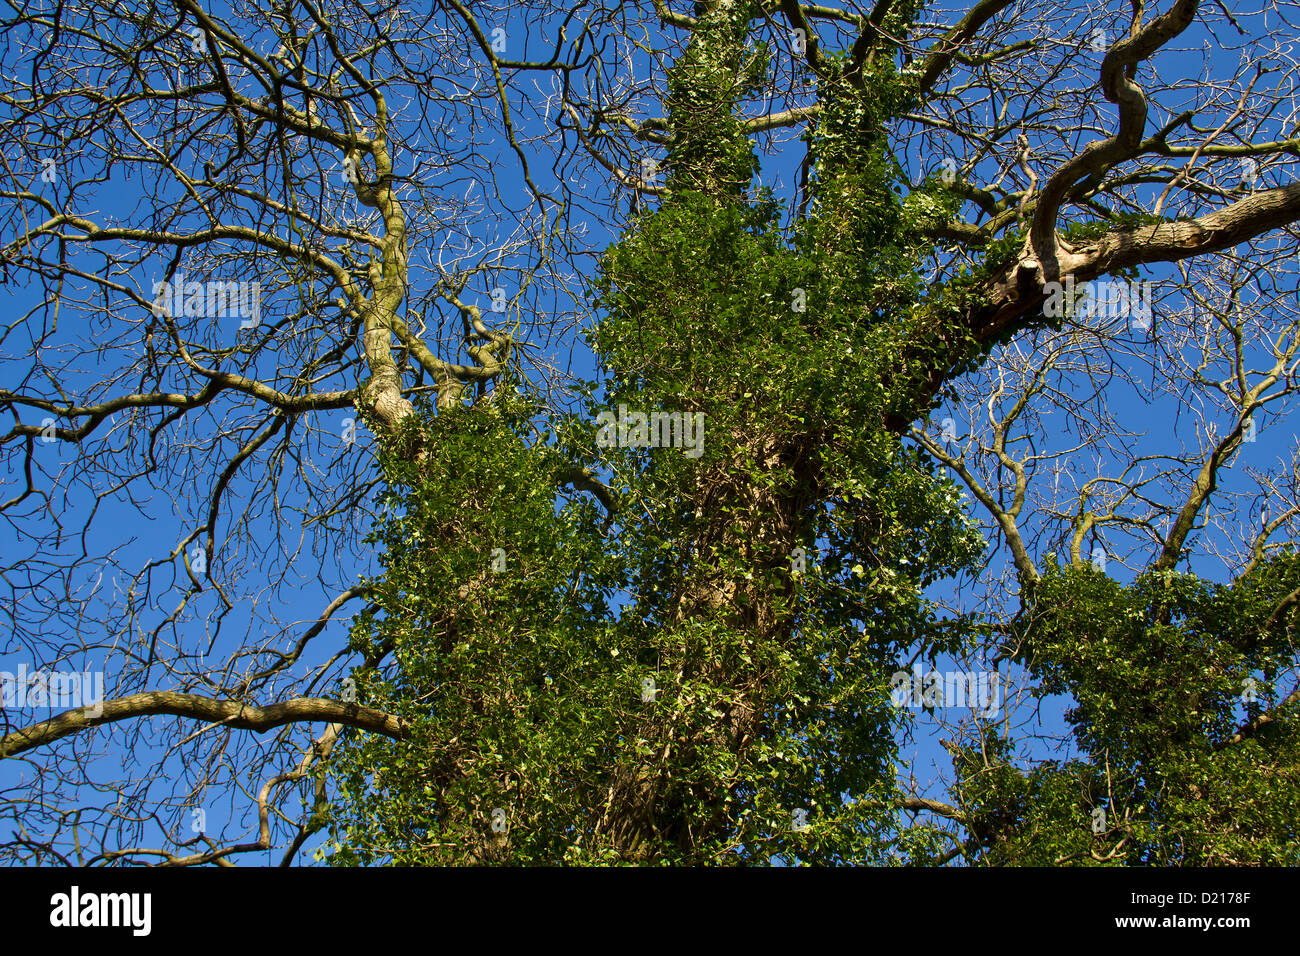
336, 907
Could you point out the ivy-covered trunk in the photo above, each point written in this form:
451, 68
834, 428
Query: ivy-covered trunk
783, 343
771, 540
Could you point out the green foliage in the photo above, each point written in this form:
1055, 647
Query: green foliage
767, 587
1083, 232
711, 150
1158, 670
523, 687
480, 656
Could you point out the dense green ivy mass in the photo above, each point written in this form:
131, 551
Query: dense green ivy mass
770, 582
490, 606
1158, 670
705, 679
531, 696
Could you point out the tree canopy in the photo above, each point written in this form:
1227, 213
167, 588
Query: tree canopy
669, 406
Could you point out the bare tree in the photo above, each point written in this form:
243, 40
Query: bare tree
240, 242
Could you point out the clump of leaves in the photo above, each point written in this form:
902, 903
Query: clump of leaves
1164, 672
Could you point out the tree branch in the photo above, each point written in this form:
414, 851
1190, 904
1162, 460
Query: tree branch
228, 712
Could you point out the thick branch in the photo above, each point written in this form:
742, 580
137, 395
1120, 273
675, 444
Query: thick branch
228, 712
1117, 84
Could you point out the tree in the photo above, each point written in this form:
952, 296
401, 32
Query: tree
661, 616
